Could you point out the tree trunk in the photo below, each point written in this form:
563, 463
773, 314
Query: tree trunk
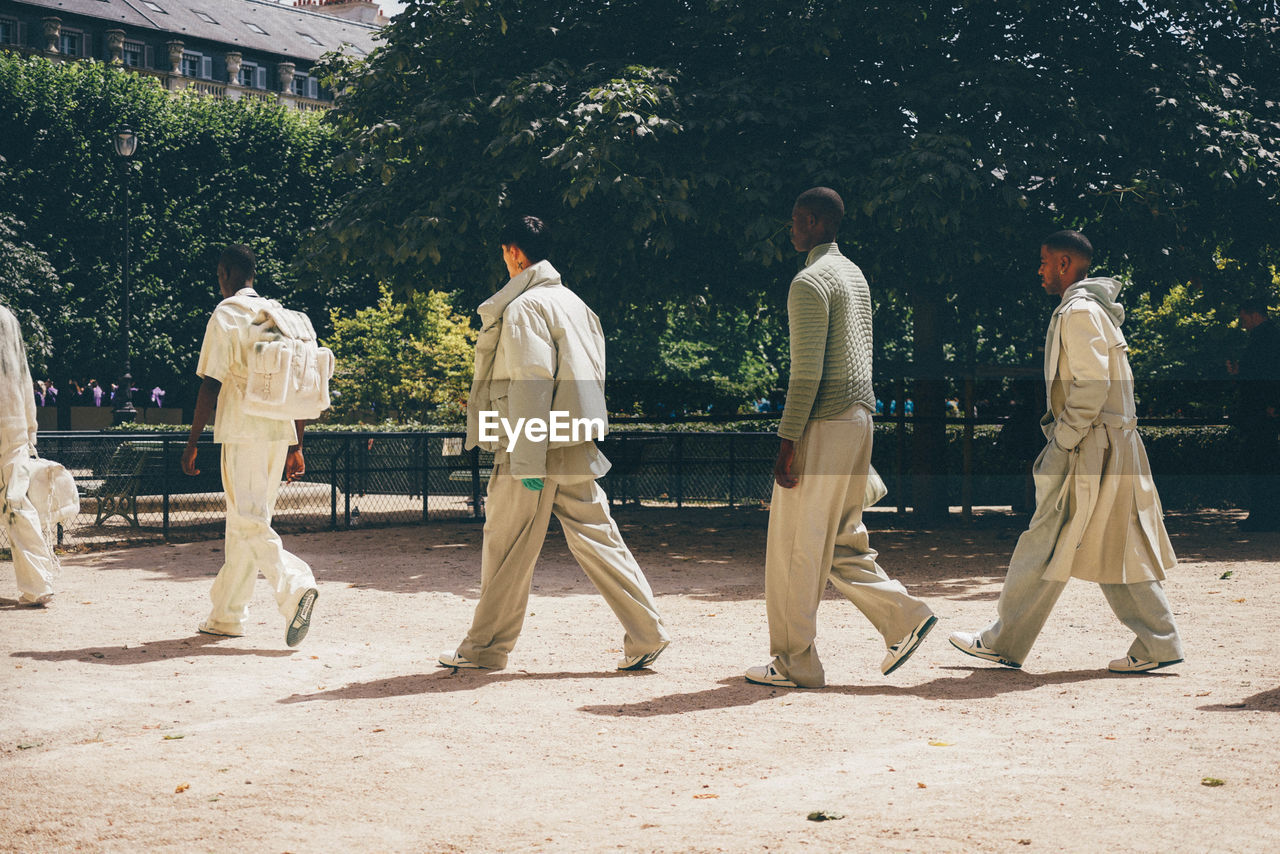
929, 431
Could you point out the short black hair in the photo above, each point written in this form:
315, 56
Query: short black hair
825, 204
1254, 306
1070, 240
239, 259
528, 233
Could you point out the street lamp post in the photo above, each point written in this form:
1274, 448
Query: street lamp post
126, 143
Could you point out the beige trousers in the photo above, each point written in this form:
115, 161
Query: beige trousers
514, 530
251, 475
815, 533
33, 562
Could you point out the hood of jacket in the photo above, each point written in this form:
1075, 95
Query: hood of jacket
1103, 290
541, 273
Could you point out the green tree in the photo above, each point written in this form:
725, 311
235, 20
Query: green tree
405, 361
206, 173
31, 292
668, 139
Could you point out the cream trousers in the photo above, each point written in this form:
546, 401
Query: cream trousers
514, 530
251, 475
816, 533
33, 562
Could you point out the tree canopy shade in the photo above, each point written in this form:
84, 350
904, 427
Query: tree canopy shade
206, 173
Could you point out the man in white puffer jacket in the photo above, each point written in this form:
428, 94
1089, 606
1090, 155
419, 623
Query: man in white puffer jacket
539, 356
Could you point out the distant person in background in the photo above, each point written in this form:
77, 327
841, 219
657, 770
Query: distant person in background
33, 561
157, 397
50, 394
1258, 404
38, 386
95, 393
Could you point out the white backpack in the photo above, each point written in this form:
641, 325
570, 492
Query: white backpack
289, 372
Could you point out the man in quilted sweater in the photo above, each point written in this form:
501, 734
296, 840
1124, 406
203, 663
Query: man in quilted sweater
257, 453
815, 520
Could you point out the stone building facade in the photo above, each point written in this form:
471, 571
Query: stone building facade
221, 48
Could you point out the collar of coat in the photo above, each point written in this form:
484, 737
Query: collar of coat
540, 274
1103, 290
821, 250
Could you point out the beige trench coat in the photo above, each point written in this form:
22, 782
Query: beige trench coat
1095, 473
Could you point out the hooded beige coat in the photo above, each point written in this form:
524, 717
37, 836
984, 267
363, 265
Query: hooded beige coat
1094, 475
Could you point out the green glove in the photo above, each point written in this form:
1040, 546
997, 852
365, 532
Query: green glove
533, 484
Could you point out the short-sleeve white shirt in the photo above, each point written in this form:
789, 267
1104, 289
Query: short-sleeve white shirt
224, 357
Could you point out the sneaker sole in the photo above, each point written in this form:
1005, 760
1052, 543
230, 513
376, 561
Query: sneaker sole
994, 658
922, 633
301, 619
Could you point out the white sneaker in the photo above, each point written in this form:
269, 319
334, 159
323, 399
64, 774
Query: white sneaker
640, 662
769, 675
40, 601
970, 643
205, 629
453, 659
1129, 664
902, 650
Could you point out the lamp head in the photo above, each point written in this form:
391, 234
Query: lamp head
126, 142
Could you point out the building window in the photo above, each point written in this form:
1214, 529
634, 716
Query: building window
154, 7
132, 54
253, 76
205, 16
8, 31
312, 39
255, 28
70, 43
190, 65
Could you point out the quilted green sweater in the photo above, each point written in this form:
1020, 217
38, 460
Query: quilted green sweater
829, 310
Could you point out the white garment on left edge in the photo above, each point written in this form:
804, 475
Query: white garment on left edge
251, 475
33, 561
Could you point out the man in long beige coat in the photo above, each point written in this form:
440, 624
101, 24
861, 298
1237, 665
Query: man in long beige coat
539, 358
1098, 516
33, 560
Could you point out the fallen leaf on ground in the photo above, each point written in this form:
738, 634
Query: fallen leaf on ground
1239, 600
173, 737
824, 815
706, 795
921, 786
29, 745
1211, 782
939, 744
182, 787
1225, 575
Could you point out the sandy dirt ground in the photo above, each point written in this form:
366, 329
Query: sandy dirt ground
121, 729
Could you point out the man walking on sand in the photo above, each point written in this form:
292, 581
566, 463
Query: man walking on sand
256, 453
541, 354
1097, 516
816, 530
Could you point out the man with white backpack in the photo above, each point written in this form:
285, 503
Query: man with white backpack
261, 367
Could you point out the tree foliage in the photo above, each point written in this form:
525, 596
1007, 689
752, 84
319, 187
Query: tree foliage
206, 173
668, 138
407, 361
31, 291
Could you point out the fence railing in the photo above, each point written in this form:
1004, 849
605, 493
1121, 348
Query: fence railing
132, 486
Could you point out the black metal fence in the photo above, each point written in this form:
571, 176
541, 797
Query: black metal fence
132, 486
